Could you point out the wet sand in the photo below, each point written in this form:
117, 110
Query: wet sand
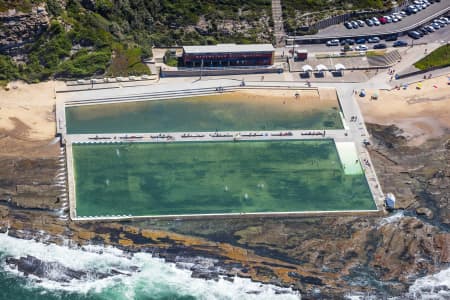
422, 114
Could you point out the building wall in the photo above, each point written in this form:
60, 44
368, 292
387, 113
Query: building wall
228, 59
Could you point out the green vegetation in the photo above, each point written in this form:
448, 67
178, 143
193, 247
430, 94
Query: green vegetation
438, 58
375, 53
214, 177
21, 5
127, 62
170, 59
8, 70
78, 43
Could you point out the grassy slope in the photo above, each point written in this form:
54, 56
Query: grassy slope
438, 58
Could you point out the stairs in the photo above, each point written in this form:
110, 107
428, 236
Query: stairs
278, 29
386, 59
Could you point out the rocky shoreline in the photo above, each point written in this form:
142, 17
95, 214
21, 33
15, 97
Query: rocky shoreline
315, 255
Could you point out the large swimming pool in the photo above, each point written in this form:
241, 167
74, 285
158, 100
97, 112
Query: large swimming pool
234, 111
214, 177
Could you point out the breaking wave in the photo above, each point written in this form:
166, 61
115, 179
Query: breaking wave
130, 276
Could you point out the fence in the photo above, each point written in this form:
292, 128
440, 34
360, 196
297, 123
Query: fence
215, 72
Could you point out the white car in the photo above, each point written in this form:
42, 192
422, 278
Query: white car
398, 16
333, 43
361, 48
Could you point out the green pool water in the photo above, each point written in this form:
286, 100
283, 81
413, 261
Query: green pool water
214, 177
227, 112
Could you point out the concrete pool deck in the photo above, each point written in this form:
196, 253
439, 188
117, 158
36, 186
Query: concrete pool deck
354, 132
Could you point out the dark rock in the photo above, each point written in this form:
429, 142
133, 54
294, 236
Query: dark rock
306, 279
55, 271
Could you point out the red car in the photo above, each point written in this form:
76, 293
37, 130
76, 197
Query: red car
382, 20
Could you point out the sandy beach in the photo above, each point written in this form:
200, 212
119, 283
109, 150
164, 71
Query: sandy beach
421, 113
27, 119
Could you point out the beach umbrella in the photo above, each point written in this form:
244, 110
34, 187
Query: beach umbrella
307, 68
362, 93
339, 67
321, 68
419, 85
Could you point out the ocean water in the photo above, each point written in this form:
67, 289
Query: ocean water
147, 277
215, 177
151, 278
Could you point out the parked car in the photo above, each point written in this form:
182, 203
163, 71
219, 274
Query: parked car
342, 42
445, 19
374, 39
395, 19
382, 20
412, 9
346, 48
392, 37
422, 31
360, 23
333, 43
436, 25
361, 41
361, 48
442, 23
379, 46
369, 22
354, 24
398, 16
414, 34
430, 28
388, 19
348, 25
350, 41
400, 44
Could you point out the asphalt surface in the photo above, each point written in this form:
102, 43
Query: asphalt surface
441, 36
341, 30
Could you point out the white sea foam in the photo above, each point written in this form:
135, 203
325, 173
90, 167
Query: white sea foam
392, 219
432, 287
153, 276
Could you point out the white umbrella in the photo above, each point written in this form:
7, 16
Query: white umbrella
321, 68
307, 68
339, 67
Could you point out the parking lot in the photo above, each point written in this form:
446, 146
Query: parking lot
340, 30
441, 35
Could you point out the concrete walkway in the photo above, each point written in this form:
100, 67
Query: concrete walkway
339, 135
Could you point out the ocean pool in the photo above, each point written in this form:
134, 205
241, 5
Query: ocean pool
234, 111
182, 178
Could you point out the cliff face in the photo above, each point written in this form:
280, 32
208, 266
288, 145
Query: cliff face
19, 29
332, 254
